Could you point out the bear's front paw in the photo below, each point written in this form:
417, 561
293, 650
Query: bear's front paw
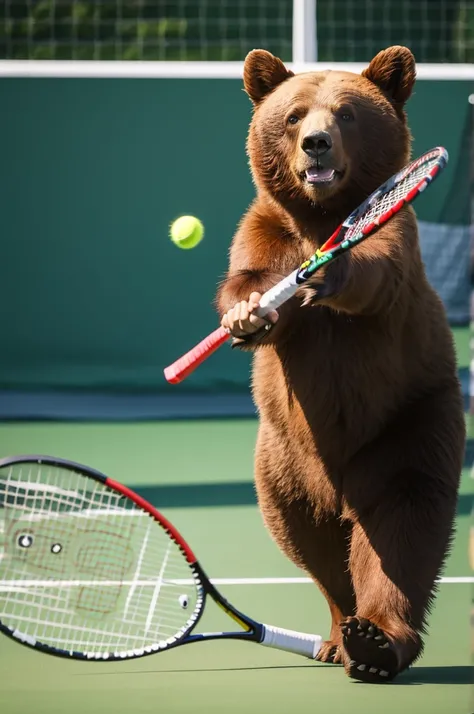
248, 342
245, 326
325, 284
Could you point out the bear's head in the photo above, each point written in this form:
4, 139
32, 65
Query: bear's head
327, 138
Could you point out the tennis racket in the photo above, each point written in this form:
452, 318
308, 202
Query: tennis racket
385, 202
89, 570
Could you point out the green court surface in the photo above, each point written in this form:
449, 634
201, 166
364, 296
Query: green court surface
200, 474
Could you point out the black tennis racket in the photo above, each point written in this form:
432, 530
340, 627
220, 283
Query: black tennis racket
89, 570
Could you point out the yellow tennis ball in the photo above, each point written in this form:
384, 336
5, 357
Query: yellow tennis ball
187, 232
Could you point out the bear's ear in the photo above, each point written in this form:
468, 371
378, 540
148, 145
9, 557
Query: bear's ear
262, 73
394, 71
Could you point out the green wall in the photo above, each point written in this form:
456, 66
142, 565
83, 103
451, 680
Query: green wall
93, 171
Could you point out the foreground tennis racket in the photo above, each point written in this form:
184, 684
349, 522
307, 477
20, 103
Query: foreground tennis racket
90, 570
384, 203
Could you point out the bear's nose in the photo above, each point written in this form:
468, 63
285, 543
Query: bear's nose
316, 143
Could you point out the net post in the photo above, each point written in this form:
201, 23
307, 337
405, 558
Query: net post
305, 41
470, 99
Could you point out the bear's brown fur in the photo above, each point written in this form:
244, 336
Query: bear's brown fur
361, 436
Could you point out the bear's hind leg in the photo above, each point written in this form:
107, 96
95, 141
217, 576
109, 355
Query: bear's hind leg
320, 546
397, 551
324, 553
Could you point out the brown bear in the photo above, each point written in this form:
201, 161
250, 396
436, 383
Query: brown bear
361, 426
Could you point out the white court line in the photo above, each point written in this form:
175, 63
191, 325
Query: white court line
137, 571
301, 581
158, 586
85, 513
9, 585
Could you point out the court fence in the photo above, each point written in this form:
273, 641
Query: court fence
95, 169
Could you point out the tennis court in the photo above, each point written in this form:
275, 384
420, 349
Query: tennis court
200, 474
102, 154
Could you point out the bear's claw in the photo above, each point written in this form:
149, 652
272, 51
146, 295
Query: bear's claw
330, 653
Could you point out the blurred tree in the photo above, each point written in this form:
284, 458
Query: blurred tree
438, 31
192, 30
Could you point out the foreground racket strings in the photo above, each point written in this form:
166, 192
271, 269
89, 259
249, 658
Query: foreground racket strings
378, 208
90, 570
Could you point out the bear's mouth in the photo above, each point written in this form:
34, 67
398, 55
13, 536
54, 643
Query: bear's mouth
315, 175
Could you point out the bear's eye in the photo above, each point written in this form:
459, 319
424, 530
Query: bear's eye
293, 119
346, 115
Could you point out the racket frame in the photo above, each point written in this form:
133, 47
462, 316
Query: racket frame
333, 248
251, 629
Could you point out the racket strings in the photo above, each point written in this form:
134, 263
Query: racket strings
83, 568
383, 203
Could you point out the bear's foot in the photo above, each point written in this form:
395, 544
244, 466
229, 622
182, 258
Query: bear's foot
371, 656
330, 653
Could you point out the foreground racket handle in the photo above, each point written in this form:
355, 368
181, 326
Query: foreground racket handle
296, 642
90, 570
378, 208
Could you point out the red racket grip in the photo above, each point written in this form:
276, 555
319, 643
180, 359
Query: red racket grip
186, 364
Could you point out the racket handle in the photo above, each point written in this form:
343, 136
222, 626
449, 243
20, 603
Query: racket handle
291, 641
271, 300
278, 294
186, 364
